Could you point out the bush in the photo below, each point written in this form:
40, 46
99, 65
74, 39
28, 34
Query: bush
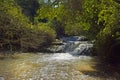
17, 33
37, 37
10, 32
107, 44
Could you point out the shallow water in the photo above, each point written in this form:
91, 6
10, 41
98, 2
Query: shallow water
58, 66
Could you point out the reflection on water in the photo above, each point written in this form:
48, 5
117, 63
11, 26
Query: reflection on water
59, 66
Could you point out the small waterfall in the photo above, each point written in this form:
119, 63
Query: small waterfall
74, 45
78, 48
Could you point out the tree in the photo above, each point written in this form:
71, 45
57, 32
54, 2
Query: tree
29, 8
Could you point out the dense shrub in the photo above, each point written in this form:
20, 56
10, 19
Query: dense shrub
17, 33
107, 44
38, 37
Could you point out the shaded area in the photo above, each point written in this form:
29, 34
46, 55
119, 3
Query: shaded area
100, 71
114, 54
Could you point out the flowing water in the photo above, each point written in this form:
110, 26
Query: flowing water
73, 45
56, 66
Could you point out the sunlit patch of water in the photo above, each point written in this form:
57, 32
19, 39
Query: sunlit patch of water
62, 56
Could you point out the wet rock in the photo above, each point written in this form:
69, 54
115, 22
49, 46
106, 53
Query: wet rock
2, 78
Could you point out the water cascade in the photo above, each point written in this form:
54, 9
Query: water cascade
74, 45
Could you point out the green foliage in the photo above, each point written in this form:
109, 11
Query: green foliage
59, 14
11, 8
17, 33
29, 8
37, 37
58, 26
107, 37
11, 25
10, 32
50, 12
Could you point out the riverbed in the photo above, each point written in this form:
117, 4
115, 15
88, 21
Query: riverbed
56, 66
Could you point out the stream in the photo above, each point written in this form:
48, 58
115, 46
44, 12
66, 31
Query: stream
67, 65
